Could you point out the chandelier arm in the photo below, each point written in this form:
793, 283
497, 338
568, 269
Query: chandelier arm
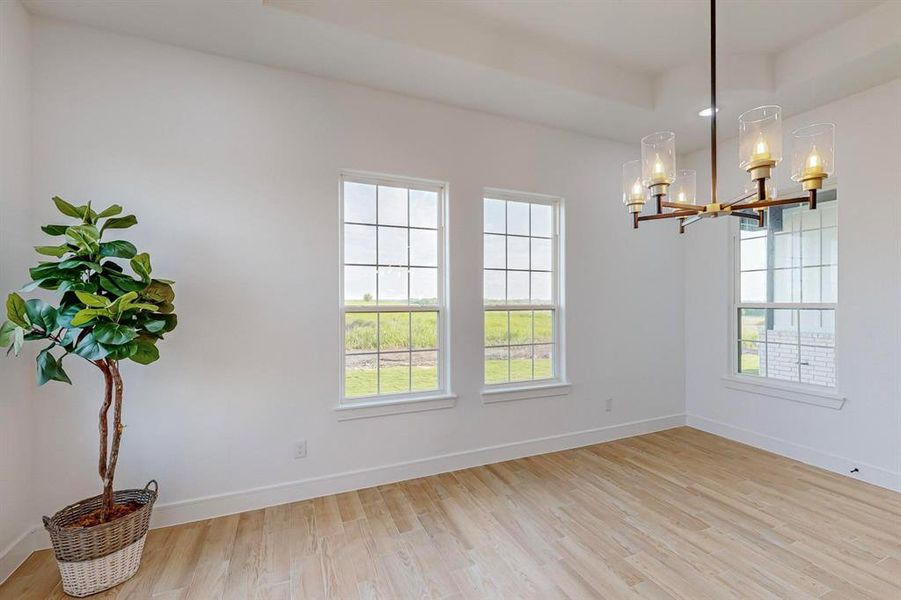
682, 206
744, 215
768, 203
740, 199
671, 215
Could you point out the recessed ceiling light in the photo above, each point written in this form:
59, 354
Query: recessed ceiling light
706, 112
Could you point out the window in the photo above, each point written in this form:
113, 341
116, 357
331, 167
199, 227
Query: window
392, 313
787, 291
521, 288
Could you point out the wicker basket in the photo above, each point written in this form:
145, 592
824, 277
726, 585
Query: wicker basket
97, 558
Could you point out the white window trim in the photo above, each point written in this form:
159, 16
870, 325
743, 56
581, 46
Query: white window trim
796, 392
558, 385
390, 404
828, 397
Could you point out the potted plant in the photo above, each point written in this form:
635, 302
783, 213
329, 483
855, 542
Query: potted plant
104, 315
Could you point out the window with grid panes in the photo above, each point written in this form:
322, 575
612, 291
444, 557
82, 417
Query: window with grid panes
787, 293
520, 290
393, 288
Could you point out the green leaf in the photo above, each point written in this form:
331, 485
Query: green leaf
86, 315
155, 325
92, 300
141, 265
138, 306
57, 251
18, 341
70, 337
50, 369
118, 249
85, 237
126, 283
74, 263
109, 211
120, 223
90, 349
15, 310
119, 303
122, 352
114, 334
44, 270
88, 215
158, 292
64, 316
146, 351
41, 314
110, 286
166, 308
66, 208
30, 287
54, 229
78, 286
7, 333
171, 322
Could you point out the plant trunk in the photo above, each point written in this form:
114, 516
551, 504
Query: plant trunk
104, 414
108, 470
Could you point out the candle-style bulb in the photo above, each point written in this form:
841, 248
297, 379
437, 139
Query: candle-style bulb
813, 159
658, 166
761, 149
636, 188
681, 197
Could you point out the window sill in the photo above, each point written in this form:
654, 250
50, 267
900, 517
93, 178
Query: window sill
525, 392
787, 391
394, 406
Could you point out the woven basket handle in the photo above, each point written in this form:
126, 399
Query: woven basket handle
47, 523
156, 486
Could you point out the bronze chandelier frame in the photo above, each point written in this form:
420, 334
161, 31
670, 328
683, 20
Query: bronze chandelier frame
750, 206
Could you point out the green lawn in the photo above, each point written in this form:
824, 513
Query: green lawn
371, 332
362, 382
750, 364
520, 370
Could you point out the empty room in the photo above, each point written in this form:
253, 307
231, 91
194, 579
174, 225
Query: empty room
450, 299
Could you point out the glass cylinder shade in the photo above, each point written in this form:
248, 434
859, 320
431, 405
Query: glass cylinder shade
684, 187
813, 152
760, 137
658, 158
633, 190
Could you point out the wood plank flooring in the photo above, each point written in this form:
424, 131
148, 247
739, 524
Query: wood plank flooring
675, 514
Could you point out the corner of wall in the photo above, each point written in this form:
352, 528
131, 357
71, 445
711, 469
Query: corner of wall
16, 220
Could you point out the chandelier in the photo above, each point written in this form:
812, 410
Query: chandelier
760, 150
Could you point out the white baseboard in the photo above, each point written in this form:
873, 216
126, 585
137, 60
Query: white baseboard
811, 456
196, 509
208, 507
12, 557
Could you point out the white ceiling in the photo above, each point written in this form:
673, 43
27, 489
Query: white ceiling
617, 69
652, 35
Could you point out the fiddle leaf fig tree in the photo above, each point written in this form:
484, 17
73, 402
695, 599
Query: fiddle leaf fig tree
104, 313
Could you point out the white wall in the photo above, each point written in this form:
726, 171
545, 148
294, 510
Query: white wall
866, 432
232, 169
16, 376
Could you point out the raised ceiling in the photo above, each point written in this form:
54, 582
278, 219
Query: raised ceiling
608, 68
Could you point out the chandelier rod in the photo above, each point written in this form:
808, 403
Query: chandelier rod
713, 101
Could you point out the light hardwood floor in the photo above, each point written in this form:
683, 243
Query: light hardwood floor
675, 514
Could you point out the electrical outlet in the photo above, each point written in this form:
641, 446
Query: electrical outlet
609, 406
300, 449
